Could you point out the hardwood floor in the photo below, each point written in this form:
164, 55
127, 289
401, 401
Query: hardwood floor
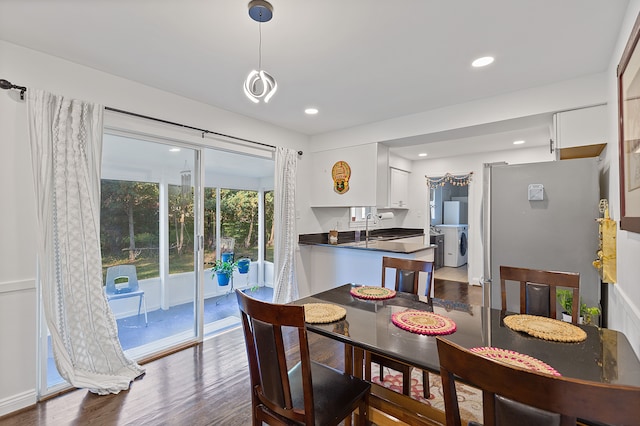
459, 291
452, 274
207, 384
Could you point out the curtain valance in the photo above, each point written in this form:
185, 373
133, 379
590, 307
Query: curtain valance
455, 180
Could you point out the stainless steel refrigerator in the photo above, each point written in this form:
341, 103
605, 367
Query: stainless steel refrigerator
541, 216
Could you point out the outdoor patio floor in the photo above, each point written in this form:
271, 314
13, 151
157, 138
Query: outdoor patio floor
220, 314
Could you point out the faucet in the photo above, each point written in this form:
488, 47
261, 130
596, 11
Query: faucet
375, 217
366, 225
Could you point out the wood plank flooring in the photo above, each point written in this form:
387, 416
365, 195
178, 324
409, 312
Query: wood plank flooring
207, 384
452, 274
459, 291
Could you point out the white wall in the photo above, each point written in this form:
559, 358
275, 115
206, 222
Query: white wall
17, 217
624, 297
566, 95
586, 91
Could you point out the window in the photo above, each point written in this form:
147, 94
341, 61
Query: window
358, 215
239, 220
129, 225
268, 226
181, 228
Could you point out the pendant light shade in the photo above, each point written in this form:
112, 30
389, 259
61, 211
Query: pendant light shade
260, 85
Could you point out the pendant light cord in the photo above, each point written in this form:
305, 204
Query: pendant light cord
260, 46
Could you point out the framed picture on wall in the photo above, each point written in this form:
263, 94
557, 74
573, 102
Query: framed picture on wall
629, 132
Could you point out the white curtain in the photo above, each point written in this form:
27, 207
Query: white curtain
286, 238
66, 146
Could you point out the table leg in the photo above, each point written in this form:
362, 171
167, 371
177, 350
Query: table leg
348, 359
353, 363
358, 362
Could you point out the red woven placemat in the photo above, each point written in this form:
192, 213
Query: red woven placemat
423, 322
515, 358
372, 293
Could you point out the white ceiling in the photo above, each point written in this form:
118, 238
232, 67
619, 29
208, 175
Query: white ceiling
357, 61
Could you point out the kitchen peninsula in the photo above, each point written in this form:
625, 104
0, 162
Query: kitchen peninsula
350, 261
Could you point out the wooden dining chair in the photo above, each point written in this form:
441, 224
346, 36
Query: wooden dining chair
538, 290
407, 280
515, 396
306, 393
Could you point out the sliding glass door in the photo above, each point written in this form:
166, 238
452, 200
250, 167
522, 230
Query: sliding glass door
170, 209
148, 220
149, 243
234, 231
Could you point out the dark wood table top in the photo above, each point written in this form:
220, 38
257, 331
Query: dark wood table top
605, 356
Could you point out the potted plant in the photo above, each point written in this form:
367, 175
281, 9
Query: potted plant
591, 315
565, 298
223, 269
243, 265
587, 315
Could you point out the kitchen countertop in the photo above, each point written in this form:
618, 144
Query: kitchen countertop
379, 240
386, 245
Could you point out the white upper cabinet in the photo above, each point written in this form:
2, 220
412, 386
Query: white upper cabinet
399, 189
372, 182
579, 128
362, 161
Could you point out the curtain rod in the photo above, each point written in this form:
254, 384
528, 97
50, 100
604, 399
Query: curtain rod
6, 85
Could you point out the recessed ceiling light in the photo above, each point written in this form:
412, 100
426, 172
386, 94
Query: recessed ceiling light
174, 150
482, 62
311, 111
518, 142
422, 154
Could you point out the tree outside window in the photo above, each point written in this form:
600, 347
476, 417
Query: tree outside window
129, 225
268, 226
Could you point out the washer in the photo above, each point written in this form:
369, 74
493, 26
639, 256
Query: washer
456, 244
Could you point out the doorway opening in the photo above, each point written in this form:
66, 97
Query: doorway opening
449, 229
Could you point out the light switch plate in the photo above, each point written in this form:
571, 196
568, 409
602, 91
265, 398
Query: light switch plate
536, 192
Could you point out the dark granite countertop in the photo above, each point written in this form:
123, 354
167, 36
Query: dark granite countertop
379, 240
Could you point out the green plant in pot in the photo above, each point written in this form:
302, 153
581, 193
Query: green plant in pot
565, 298
591, 315
223, 270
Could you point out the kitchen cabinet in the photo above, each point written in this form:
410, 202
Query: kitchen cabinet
368, 182
580, 132
398, 188
377, 178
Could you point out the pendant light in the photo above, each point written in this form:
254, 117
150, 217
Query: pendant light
259, 83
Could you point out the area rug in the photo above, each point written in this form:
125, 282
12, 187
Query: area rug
469, 398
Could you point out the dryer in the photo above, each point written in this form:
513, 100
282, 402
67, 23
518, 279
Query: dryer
456, 244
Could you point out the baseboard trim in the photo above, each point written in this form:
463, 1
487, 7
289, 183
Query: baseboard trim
17, 402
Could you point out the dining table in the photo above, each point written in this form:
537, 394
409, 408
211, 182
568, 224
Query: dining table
372, 325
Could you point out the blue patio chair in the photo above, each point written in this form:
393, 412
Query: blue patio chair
122, 282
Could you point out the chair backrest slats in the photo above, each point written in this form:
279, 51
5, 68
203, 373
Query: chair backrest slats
408, 265
263, 325
552, 279
570, 398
